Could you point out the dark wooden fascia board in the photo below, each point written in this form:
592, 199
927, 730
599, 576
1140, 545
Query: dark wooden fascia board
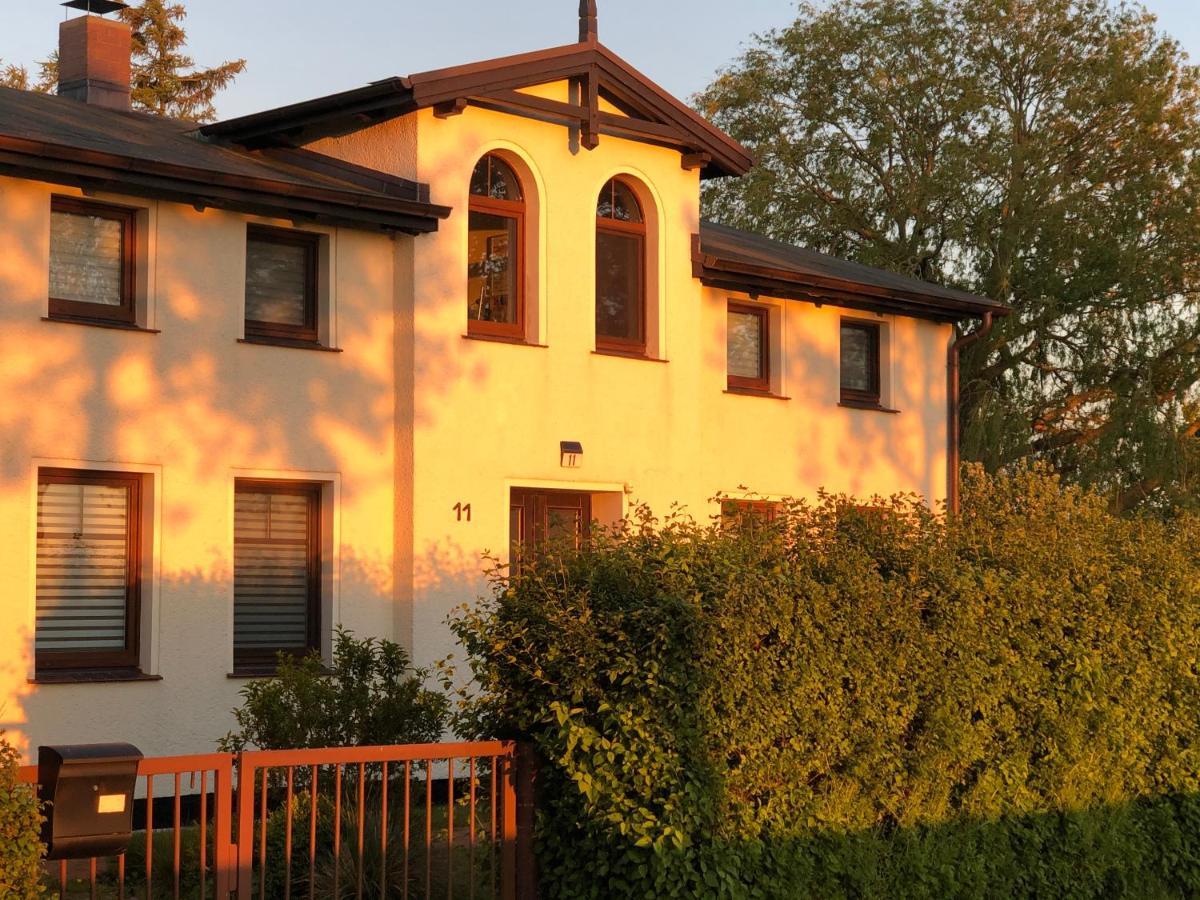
715, 272
828, 283
89, 178
522, 67
437, 87
368, 100
204, 189
820, 297
361, 176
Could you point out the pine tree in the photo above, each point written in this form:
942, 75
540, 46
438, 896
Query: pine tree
165, 80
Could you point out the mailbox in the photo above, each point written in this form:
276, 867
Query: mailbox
88, 792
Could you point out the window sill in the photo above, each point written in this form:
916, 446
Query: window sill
750, 392
91, 676
630, 354
262, 672
871, 407
293, 345
100, 323
501, 339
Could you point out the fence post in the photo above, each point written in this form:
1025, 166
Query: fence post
245, 832
527, 776
224, 850
508, 827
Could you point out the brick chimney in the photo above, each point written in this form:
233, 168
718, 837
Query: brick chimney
93, 61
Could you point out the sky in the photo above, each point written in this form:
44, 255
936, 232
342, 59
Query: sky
299, 49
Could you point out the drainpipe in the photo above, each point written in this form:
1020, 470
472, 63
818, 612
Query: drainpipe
953, 364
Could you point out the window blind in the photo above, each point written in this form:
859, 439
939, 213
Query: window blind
275, 570
83, 566
278, 282
86, 258
745, 344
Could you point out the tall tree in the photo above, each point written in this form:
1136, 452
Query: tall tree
14, 76
165, 79
1042, 152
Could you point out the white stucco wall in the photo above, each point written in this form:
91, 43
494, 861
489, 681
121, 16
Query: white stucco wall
413, 417
489, 416
195, 409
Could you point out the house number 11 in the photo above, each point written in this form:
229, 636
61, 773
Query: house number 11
463, 511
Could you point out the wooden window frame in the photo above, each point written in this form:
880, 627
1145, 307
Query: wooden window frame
873, 396
749, 512
761, 384
534, 504
507, 209
605, 343
128, 659
260, 661
310, 242
126, 312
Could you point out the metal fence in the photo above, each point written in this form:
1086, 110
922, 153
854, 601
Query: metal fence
413, 821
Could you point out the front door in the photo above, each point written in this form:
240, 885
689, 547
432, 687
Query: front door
537, 517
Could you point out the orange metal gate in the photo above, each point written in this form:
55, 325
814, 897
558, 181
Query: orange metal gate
427, 820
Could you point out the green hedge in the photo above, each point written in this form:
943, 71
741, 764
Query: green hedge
863, 702
20, 832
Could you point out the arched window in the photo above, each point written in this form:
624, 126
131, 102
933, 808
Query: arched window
620, 270
495, 250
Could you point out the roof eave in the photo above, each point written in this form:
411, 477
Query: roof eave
202, 188
714, 271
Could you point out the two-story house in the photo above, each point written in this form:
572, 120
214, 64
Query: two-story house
309, 367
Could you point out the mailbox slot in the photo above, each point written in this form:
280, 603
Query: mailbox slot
87, 790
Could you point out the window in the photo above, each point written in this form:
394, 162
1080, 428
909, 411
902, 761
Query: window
495, 251
92, 260
276, 571
860, 363
748, 513
748, 348
88, 585
281, 284
620, 271
537, 518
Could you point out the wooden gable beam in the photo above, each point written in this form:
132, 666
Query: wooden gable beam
450, 108
590, 136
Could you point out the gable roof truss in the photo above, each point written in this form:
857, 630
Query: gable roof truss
594, 73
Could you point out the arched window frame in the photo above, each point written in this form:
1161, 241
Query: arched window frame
610, 225
509, 209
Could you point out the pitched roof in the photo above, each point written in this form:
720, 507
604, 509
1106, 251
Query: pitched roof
651, 113
64, 141
738, 260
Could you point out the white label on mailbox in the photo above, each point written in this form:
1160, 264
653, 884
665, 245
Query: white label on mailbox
112, 803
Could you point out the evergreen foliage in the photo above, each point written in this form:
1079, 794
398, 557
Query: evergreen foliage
1041, 152
164, 79
860, 701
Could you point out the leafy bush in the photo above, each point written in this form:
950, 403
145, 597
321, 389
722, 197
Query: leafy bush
371, 697
21, 847
867, 702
